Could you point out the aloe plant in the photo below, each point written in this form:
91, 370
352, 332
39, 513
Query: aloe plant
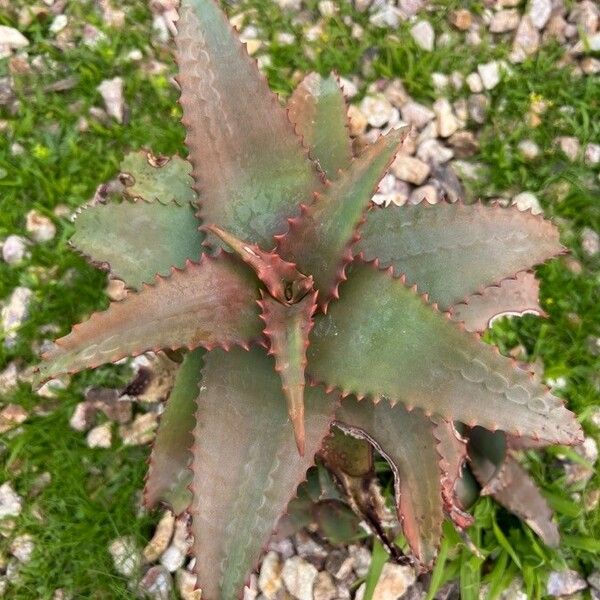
263, 260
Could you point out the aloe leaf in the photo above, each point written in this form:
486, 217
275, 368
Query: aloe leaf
138, 239
406, 441
425, 360
212, 303
318, 110
162, 179
246, 467
513, 296
345, 454
502, 477
248, 164
287, 328
319, 241
168, 471
453, 250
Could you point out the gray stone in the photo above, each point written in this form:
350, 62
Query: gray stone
141, 431
111, 91
161, 538
11, 416
362, 559
100, 436
10, 501
526, 42
174, 556
478, 107
269, 579
590, 65
432, 151
561, 583
324, 587
592, 154
586, 16
529, 149
157, 583
464, 144
377, 110
386, 16
299, 577
411, 7
13, 249
14, 313
440, 81
410, 169
394, 581
539, 12
22, 547
126, 556
58, 24
339, 563
570, 146
447, 122
416, 114
594, 580
9, 378
425, 193
450, 186
591, 44
474, 82
11, 39
504, 20
39, 227
423, 34
490, 74
186, 585
590, 241
526, 201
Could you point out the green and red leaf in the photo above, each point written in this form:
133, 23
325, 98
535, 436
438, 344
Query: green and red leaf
246, 467
382, 339
212, 303
249, 166
452, 251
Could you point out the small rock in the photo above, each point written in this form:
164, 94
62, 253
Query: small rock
9, 378
39, 227
424, 193
490, 74
141, 431
586, 16
269, 579
526, 42
539, 12
324, 588
474, 82
504, 20
348, 87
569, 145
11, 416
416, 114
22, 547
594, 579
362, 559
12, 39
309, 549
125, 555
591, 499
83, 416
116, 290
377, 110
299, 577
592, 154
590, 65
100, 436
157, 583
561, 583
327, 8
161, 538
14, 313
284, 547
410, 169
464, 143
432, 151
446, 179
10, 501
447, 122
386, 16
478, 106
461, 19
423, 34
529, 149
396, 93
111, 91
58, 24
440, 81
186, 585
174, 556
357, 121
590, 243
526, 201
591, 44
40, 483
393, 581
13, 249
339, 563
50, 388
411, 7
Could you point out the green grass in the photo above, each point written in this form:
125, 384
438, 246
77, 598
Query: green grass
93, 495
